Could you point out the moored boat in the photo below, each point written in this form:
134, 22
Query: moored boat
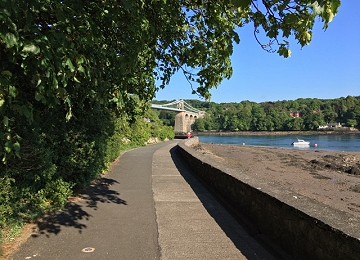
301, 142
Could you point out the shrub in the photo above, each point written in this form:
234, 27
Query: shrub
6, 200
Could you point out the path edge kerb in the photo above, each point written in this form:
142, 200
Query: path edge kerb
303, 228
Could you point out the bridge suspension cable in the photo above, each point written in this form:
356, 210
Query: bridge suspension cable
190, 108
178, 105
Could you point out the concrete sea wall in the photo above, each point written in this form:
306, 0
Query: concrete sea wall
304, 229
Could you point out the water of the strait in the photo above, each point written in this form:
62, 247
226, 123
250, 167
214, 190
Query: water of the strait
338, 143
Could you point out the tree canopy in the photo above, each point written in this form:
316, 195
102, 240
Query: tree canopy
59, 53
56, 54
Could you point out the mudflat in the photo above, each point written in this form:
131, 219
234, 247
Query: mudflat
331, 178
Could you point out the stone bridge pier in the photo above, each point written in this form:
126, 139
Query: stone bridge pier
183, 122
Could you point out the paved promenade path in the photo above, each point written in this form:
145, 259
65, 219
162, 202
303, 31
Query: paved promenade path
147, 207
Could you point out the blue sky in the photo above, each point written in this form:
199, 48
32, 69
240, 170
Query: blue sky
328, 68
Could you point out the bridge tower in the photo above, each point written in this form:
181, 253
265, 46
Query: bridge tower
183, 122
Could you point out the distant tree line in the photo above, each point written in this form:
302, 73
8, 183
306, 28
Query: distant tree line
297, 115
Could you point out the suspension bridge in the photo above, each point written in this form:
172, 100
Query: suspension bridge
186, 114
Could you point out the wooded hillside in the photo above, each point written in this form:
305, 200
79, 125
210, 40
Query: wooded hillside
298, 115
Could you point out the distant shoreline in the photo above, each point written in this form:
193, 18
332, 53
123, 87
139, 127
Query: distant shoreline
278, 133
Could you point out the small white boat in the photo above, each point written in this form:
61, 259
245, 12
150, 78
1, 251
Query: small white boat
301, 142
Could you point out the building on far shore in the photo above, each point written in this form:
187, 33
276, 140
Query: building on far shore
336, 127
331, 126
295, 114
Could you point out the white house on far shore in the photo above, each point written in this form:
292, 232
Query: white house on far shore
330, 126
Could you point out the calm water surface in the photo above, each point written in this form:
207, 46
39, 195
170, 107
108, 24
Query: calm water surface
338, 143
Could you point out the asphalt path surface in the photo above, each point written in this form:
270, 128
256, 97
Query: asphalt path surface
149, 206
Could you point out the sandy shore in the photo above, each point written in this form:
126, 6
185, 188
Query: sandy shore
332, 178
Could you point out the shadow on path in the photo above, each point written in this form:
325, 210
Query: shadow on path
75, 213
238, 235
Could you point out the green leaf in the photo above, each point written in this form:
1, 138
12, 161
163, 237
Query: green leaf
12, 91
76, 80
55, 83
285, 52
288, 54
236, 38
70, 65
336, 5
38, 82
10, 40
6, 73
31, 48
38, 96
7, 148
81, 69
16, 147
81, 60
317, 8
6, 121
69, 115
